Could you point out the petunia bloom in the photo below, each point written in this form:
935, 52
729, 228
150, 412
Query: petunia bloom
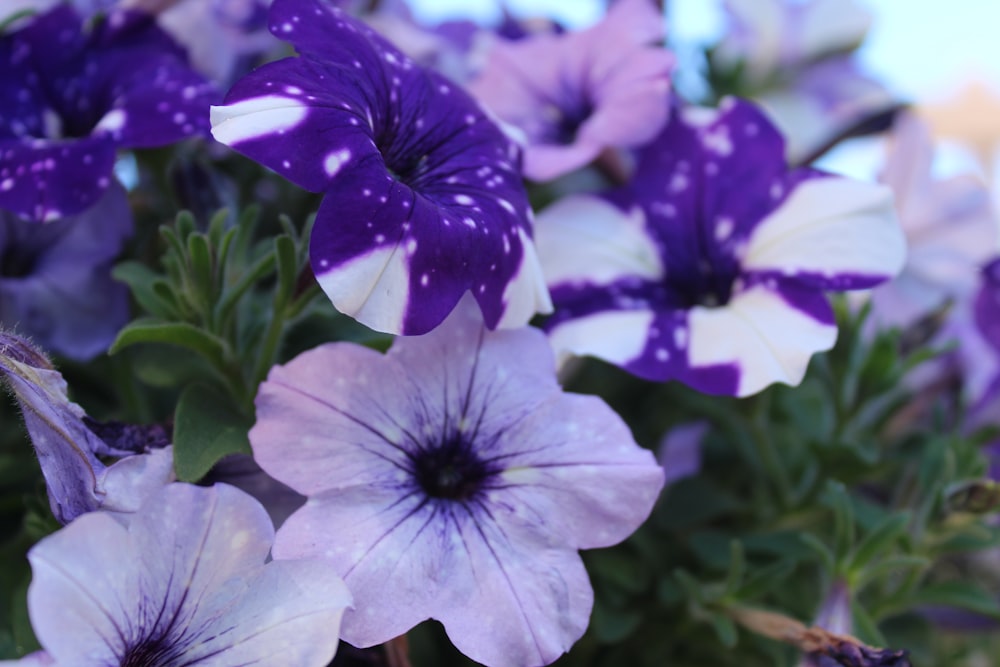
710, 267
73, 94
452, 479
184, 583
424, 200
576, 94
796, 60
70, 449
949, 225
55, 279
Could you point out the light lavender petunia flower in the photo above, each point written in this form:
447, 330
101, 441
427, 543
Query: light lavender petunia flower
452, 479
949, 224
794, 58
55, 279
711, 266
184, 583
575, 94
73, 93
69, 444
424, 200
680, 450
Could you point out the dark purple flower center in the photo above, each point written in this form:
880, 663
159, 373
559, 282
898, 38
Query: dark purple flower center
450, 470
153, 652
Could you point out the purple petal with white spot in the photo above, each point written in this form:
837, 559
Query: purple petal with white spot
575, 94
55, 279
451, 479
184, 583
710, 266
77, 481
80, 92
423, 196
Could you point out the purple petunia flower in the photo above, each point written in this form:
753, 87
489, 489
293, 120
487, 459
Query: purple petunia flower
680, 450
184, 583
452, 479
575, 94
424, 201
69, 444
74, 93
710, 267
949, 224
55, 279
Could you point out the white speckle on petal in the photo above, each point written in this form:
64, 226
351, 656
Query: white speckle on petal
335, 160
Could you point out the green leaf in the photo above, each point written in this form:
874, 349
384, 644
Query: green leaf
960, 594
140, 280
879, 539
202, 272
213, 348
207, 427
725, 629
737, 565
613, 625
288, 266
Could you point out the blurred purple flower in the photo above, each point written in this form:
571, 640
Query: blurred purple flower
55, 279
70, 451
424, 201
795, 59
241, 471
680, 451
452, 479
183, 583
950, 228
575, 94
72, 93
710, 267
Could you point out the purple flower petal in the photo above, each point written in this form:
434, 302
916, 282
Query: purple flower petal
77, 481
424, 200
55, 279
81, 92
184, 581
680, 450
447, 479
710, 266
577, 93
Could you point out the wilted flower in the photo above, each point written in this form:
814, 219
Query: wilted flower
72, 94
424, 200
710, 267
55, 279
70, 451
452, 479
575, 94
184, 583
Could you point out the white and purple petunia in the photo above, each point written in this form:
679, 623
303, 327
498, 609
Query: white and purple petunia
70, 446
424, 200
184, 583
452, 479
576, 94
73, 92
950, 228
55, 279
710, 267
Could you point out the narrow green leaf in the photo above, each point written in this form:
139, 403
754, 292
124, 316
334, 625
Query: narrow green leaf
185, 224
737, 565
213, 348
823, 551
140, 280
960, 594
202, 271
725, 629
288, 267
207, 427
878, 540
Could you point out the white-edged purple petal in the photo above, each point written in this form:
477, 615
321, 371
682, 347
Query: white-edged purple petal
423, 194
184, 583
451, 479
77, 481
575, 94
